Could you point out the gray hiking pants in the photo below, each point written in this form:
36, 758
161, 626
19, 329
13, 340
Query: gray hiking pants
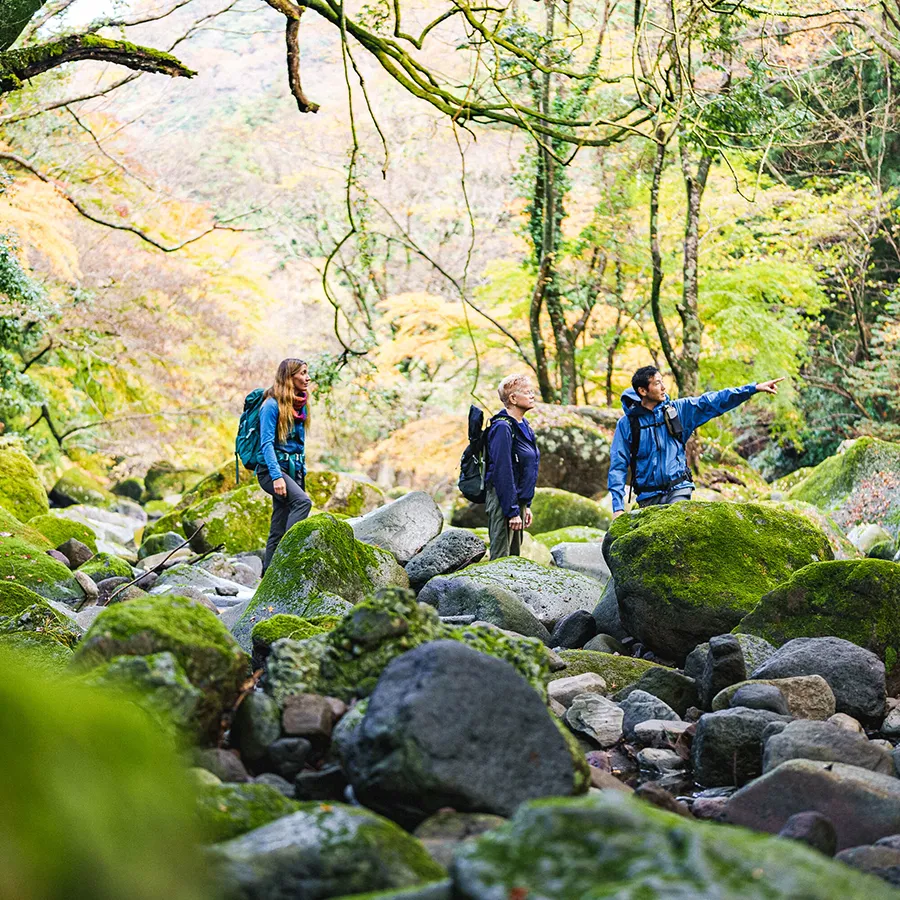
286, 511
676, 495
504, 541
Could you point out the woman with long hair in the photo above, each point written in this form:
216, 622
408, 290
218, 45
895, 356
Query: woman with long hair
283, 422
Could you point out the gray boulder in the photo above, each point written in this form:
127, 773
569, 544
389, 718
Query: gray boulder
573, 631
829, 743
761, 696
459, 595
855, 675
606, 614
324, 850
756, 651
449, 726
812, 829
584, 557
597, 717
549, 593
450, 551
403, 527
724, 667
864, 806
727, 747
638, 707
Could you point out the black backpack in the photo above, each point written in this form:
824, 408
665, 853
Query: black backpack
473, 463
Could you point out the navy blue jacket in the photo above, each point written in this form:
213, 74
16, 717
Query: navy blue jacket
660, 457
512, 463
268, 439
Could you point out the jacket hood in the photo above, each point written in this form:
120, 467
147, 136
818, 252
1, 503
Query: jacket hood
631, 403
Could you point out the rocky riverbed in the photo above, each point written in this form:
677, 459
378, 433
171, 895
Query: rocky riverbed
697, 701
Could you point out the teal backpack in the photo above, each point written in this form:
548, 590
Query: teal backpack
247, 447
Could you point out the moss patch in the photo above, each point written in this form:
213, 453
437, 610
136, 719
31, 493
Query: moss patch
23, 610
225, 811
340, 493
58, 530
77, 486
21, 491
39, 654
857, 600
105, 565
348, 661
862, 484
317, 560
686, 572
211, 658
554, 509
239, 520
617, 671
575, 534
611, 845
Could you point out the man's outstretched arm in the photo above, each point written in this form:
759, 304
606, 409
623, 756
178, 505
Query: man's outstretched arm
696, 411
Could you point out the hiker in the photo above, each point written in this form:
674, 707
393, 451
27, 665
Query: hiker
282, 430
659, 472
512, 468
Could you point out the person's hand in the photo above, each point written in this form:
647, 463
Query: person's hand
279, 485
527, 517
769, 387
515, 523
618, 513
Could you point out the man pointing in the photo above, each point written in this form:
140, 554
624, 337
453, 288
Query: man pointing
651, 436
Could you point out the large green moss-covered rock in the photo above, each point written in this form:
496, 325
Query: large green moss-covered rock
317, 565
24, 561
75, 486
22, 610
617, 671
157, 683
324, 850
93, 803
164, 479
239, 520
840, 544
226, 811
337, 492
854, 599
859, 484
58, 530
614, 846
21, 491
209, 655
573, 534
347, 661
687, 572
37, 653
105, 565
553, 509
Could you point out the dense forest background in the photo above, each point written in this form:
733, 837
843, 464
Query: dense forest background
569, 189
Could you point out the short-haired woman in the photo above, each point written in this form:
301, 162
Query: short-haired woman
283, 420
512, 468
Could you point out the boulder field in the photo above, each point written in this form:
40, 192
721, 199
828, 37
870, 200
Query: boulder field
690, 701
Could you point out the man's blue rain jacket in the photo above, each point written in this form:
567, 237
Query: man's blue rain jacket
661, 465
513, 459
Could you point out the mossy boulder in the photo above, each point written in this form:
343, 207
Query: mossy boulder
574, 534
132, 488
347, 661
854, 599
75, 486
324, 850
337, 492
104, 565
554, 509
93, 802
687, 572
164, 479
24, 561
550, 593
239, 520
209, 655
861, 483
317, 565
23, 610
160, 543
58, 530
38, 654
21, 491
156, 683
617, 671
226, 811
574, 449
841, 545
283, 625
611, 845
